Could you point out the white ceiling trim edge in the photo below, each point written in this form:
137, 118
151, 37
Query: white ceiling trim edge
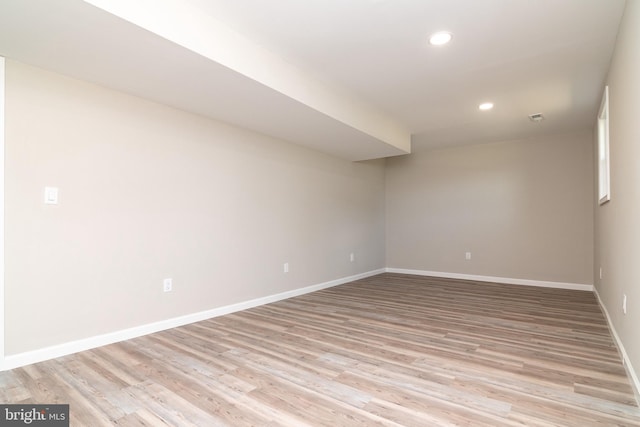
214, 40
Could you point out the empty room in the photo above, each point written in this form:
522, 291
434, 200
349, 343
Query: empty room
320, 213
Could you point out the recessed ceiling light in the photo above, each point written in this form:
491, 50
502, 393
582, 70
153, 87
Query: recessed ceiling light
440, 38
486, 106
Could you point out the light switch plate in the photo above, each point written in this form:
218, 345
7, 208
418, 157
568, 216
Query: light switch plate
51, 195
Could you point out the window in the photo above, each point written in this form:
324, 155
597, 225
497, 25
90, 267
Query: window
603, 149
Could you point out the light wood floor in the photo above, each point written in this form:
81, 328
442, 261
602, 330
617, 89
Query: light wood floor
389, 350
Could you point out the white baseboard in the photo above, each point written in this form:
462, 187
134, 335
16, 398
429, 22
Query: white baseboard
35, 356
505, 280
635, 382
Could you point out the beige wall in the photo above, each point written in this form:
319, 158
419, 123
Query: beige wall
618, 221
148, 192
522, 208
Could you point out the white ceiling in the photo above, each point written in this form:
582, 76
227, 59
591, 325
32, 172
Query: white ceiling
354, 78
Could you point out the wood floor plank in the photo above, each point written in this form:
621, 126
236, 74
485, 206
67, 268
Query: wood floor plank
390, 350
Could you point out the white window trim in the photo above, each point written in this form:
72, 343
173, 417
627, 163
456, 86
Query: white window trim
604, 173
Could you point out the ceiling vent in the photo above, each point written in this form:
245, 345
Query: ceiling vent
537, 117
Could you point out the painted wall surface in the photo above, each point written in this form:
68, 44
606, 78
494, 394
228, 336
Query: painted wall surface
522, 208
618, 221
147, 192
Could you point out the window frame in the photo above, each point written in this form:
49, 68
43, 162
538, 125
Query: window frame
604, 172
